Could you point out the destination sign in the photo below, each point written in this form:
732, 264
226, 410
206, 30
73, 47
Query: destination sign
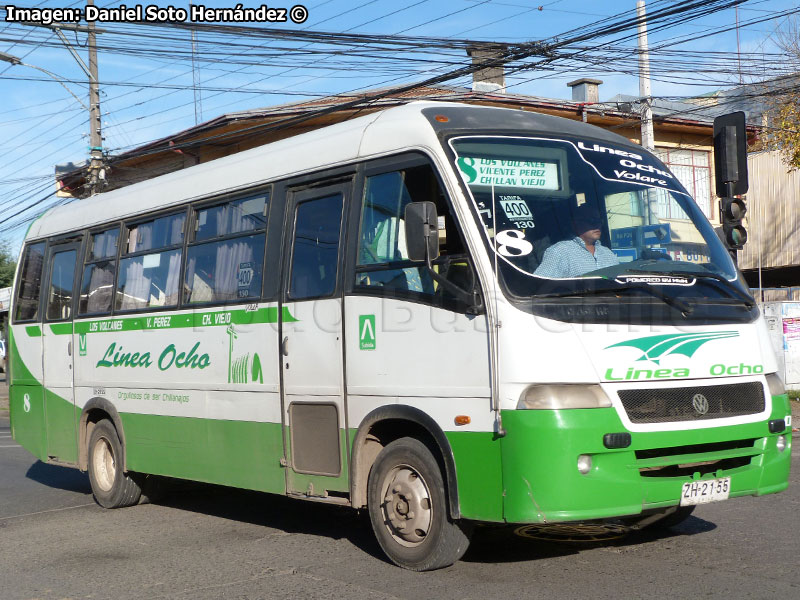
509, 173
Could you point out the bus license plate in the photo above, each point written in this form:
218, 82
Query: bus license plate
707, 490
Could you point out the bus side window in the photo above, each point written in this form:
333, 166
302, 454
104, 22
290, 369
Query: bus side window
62, 280
150, 275
29, 284
383, 264
225, 260
97, 283
315, 248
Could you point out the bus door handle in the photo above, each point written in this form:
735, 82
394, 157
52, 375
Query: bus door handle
285, 346
69, 348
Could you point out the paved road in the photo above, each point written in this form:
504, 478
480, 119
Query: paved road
209, 542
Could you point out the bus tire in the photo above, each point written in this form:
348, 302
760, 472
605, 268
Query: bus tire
408, 508
111, 486
676, 518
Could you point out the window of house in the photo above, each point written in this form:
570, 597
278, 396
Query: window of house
29, 284
149, 270
97, 281
693, 170
225, 261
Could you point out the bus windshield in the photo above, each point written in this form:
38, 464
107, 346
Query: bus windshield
564, 213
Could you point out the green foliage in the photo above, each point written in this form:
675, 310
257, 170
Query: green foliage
785, 132
8, 264
784, 111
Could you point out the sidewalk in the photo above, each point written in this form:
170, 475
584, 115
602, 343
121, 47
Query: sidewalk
3, 399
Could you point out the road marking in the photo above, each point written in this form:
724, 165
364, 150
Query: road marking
13, 446
42, 512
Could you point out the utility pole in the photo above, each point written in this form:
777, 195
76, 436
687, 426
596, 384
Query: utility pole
648, 138
96, 173
644, 79
738, 47
198, 98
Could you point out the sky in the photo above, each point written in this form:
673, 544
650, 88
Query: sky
151, 87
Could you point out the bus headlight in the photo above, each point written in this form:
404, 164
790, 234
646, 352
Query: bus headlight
561, 396
776, 386
781, 443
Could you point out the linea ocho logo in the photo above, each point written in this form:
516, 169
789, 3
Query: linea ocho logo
654, 348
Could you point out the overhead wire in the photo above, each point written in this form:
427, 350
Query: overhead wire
658, 16
450, 47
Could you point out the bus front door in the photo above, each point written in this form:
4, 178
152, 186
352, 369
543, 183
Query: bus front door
57, 350
311, 343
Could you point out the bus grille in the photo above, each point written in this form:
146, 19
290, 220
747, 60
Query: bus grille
663, 405
685, 461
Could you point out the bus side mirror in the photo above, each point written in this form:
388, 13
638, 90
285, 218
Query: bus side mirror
422, 231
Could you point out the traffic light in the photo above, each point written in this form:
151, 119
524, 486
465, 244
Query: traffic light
732, 211
730, 170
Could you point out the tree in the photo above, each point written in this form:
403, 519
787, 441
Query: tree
784, 112
7, 265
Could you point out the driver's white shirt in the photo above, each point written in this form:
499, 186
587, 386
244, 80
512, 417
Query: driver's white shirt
571, 258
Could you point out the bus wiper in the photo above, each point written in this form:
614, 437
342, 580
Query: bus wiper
685, 308
732, 290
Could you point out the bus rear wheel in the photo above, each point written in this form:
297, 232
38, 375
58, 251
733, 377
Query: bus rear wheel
408, 509
111, 486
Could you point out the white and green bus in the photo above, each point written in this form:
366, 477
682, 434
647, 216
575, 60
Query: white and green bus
404, 313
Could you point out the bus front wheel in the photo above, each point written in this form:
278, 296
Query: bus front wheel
408, 508
111, 486
676, 518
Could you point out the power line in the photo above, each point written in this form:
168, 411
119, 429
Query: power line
350, 52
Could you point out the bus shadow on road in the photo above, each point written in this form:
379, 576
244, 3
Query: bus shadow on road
276, 512
506, 544
59, 477
490, 544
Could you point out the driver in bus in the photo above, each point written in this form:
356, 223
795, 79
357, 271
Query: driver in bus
582, 253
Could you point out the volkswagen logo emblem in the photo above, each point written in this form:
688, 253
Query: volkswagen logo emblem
700, 404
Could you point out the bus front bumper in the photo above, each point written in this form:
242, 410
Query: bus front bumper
542, 482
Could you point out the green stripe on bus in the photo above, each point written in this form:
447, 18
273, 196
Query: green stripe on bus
221, 318
33, 331
18, 372
61, 328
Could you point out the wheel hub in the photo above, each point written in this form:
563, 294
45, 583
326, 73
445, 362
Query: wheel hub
105, 469
407, 506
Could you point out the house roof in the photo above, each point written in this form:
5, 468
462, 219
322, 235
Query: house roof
273, 123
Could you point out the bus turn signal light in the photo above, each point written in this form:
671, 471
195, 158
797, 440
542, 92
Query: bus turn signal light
617, 440
463, 419
777, 425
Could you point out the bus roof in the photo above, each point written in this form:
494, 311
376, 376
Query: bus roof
395, 129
